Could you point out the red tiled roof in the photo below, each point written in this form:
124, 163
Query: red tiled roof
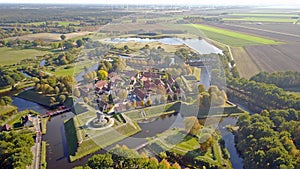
101, 84
139, 93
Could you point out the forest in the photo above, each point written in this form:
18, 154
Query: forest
270, 140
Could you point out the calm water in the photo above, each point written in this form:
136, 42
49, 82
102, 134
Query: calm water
23, 104
202, 46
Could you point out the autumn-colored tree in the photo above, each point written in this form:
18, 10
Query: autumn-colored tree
102, 74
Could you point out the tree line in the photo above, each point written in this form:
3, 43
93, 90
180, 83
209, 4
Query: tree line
266, 96
288, 79
122, 157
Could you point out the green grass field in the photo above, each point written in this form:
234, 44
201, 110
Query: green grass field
77, 68
10, 56
264, 15
232, 38
261, 19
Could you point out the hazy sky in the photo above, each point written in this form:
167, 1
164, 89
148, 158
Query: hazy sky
174, 2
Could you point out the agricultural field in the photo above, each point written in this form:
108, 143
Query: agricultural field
49, 37
232, 38
10, 56
244, 63
273, 31
262, 17
272, 58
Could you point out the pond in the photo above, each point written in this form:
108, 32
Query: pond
201, 45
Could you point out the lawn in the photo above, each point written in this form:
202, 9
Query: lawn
230, 37
10, 56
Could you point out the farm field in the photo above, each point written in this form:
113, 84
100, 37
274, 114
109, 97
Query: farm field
232, 38
272, 58
11, 56
262, 19
49, 37
244, 63
273, 31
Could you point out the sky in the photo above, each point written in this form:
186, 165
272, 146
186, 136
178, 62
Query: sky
170, 2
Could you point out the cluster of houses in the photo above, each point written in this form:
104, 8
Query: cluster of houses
141, 87
152, 83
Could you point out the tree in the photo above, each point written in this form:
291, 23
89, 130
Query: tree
5, 100
62, 98
15, 149
102, 74
79, 42
76, 92
192, 125
201, 88
62, 37
101, 161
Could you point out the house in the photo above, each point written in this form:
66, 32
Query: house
6, 127
27, 120
139, 94
100, 84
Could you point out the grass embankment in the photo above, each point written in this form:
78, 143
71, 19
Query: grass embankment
15, 119
43, 156
10, 56
232, 38
177, 144
94, 140
44, 124
152, 111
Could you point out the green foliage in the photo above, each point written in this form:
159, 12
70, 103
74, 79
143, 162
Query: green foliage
5, 100
266, 96
288, 79
9, 77
15, 149
268, 141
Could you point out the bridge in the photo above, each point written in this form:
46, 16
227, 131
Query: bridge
53, 113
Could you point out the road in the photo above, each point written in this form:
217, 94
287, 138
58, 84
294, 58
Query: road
36, 149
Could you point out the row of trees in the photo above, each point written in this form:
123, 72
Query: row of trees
266, 96
15, 149
286, 79
268, 140
122, 157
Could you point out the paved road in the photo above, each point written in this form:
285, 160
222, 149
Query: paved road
36, 150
